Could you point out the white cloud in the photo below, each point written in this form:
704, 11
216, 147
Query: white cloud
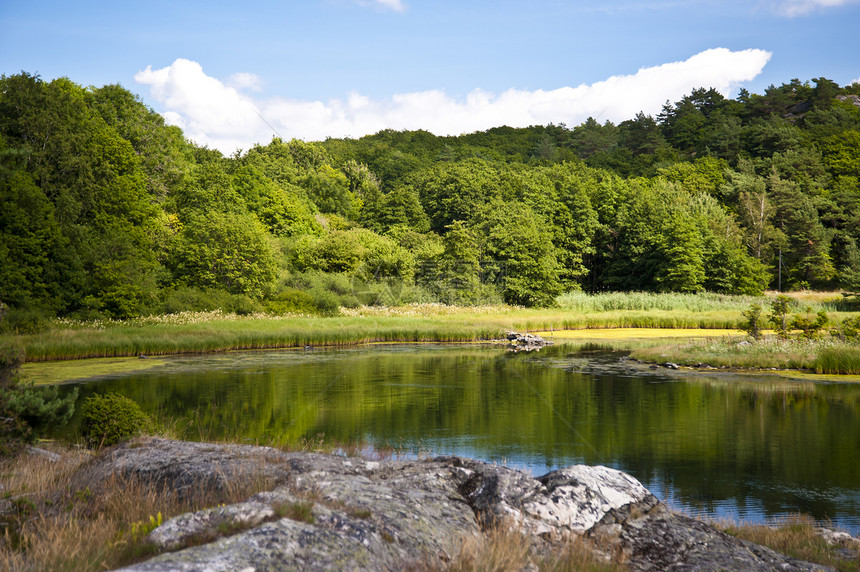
247, 81
854, 81
793, 8
396, 5
217, 114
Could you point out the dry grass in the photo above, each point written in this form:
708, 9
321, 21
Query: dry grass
50, 526
504, 548
795, 536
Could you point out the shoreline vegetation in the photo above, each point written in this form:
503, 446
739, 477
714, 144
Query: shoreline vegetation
576, 315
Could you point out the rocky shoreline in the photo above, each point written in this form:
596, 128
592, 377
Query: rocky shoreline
329, 512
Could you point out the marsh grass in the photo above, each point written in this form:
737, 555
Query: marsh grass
262, 333
769, 352
823, 355
64, 528
795, 536
204, 332
838, 360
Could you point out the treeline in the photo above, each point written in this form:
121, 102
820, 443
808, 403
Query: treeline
105, 211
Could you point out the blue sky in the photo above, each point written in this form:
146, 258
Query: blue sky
232, 74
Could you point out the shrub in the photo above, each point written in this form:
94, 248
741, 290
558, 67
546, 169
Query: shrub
186, 298
779, 315
811, 329
752, 321
290, 300
848, 330
26, 411
25, 320
111, 418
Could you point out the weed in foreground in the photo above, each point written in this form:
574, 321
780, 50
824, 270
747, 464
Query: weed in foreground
795, 536
503, 547
60, 528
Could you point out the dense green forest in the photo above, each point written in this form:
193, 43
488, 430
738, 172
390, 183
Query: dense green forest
105, 211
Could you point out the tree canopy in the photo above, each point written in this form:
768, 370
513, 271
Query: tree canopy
105, 210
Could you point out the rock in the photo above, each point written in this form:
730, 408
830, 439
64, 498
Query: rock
670, 365
853, 99
326, 512
662, 540
42, 453
526, 342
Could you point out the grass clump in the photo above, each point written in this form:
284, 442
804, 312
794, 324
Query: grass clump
59, 527
504, 547
302, 511
796, 536
838, 360
110, 418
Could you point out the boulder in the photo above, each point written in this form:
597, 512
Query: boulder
327, 512
526, 342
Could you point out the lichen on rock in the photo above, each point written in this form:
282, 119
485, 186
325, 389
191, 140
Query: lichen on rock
380, 515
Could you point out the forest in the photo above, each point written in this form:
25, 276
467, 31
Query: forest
107, 212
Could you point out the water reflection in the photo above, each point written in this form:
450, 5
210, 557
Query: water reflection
740, 447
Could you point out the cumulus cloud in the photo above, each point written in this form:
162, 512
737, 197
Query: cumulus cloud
247, 81
218, 114
793, 8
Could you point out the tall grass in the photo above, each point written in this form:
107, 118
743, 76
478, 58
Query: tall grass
627, 301
827, 356
701, 302
200, 332
222, 333
840, 359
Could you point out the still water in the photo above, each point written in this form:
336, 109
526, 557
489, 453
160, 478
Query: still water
749, 448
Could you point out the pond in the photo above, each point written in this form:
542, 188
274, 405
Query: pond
739, 446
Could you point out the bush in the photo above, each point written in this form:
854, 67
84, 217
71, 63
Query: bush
26, 411
187, 298
290, 301
25, 321
752, 321
111, 418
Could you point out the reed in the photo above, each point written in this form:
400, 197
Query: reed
202, 332
838, 360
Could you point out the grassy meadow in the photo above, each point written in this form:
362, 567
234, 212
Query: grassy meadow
576, 315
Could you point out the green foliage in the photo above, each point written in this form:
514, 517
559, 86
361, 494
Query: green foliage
779, 315
105, 211
840, 361
190, 299
110, 418
27, 412
752, 321
811, 328
225, 251
848, 330
291, 301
